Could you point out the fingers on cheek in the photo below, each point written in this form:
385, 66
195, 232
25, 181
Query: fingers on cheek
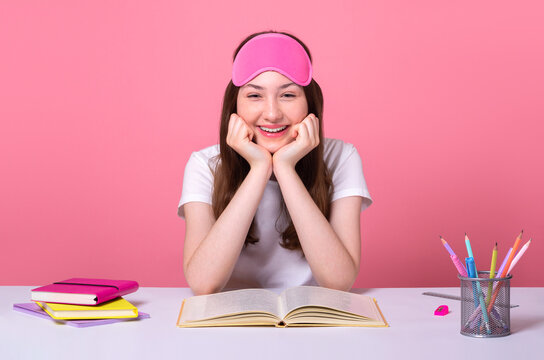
294, 133
247, 131
231, 125
303, 131
312, 134
233, 136
315, 131
234, 124
238, 127
229, 133
233, 119
315, 141
314, 122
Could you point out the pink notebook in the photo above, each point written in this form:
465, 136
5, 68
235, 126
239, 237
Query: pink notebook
83, 291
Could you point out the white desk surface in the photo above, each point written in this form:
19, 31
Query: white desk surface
414, 332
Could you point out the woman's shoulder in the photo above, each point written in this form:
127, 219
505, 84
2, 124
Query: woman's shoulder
346, 169
336, 150
207, 154
205, 158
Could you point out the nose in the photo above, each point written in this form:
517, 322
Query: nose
272, 111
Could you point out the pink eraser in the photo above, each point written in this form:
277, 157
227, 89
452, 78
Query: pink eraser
441, 310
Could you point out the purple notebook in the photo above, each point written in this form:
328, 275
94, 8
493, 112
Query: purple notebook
35, 310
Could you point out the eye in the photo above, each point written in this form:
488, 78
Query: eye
254, 96
289, 95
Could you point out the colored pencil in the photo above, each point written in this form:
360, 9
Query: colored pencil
504, 262
446, 245
511, 257
519, 255
458, 264
492, 272
469, 248
505, 271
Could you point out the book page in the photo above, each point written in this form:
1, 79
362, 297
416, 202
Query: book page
228, 303
303, 296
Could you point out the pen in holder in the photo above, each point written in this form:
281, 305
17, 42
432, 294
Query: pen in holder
493, 320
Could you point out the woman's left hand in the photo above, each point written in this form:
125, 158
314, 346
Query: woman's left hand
306, 134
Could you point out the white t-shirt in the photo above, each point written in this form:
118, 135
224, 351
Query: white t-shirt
266, 263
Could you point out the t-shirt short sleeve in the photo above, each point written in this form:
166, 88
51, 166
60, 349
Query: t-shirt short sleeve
197, 182
346, 167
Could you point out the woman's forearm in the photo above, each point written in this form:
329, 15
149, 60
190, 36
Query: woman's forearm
211, 264
331, 263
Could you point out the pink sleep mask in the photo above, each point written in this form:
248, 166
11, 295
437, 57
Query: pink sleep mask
272, 52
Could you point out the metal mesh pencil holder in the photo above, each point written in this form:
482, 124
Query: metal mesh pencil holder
493, 318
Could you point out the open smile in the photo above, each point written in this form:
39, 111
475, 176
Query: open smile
273, 131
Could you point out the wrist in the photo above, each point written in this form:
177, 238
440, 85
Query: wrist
262, 168
283, 169
279, 162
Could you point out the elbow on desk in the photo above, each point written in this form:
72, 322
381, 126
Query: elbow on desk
337, 286
203, 287
338, 283
200, 283
204, 290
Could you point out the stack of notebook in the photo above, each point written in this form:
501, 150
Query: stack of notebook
83, 302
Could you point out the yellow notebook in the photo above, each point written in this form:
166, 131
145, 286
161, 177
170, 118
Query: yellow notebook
298, 306
114, 309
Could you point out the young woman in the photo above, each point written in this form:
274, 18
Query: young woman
274, 204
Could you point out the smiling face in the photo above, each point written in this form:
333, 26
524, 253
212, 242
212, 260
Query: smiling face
271, 104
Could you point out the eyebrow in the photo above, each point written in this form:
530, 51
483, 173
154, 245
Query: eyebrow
261, 88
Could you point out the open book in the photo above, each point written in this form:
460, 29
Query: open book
298, 306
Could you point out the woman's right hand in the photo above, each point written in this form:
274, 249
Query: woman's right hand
240, 138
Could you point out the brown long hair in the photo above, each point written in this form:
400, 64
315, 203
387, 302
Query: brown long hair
232, 168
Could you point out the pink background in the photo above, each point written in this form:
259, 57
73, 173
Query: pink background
102, 102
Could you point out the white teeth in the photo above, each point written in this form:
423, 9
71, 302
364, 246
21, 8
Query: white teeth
273, 130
